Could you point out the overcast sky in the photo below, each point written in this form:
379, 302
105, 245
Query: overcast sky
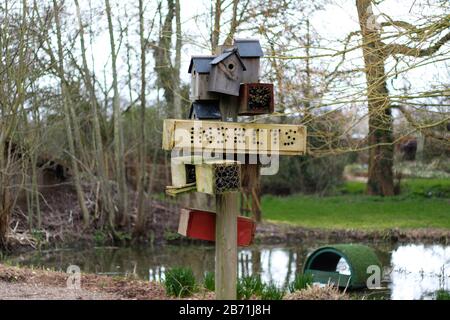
335, 22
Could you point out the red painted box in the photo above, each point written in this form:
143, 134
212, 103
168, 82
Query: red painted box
199, 224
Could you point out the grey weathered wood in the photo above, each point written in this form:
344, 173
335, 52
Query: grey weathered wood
226, 229
199, 87
252, 72
226, 246
226, 76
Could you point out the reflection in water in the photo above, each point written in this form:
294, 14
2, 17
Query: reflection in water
416, 271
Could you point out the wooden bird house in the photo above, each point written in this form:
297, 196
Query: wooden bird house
226, 73
205, 110
256, 98
183, 170
199, 69
250, 52
200, 224
218, 176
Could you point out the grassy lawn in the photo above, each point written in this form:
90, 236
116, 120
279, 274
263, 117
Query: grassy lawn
423, 203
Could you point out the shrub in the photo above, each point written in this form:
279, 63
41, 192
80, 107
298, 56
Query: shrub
442, 295
180, 282
306, 175
209, 281
248, 286
272, 292
301, 281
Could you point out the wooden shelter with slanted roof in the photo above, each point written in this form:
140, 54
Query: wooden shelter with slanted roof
200, 68
226, 73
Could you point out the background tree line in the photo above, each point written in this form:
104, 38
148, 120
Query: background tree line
85, 85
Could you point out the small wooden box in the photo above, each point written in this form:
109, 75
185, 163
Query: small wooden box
226, 73
218, 176
233, 137
199, 69
199, 224
183, 170
256, 98
251, 52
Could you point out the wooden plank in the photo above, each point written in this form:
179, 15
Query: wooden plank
184, 222
174, 191
232, 137
226, 266
226, 246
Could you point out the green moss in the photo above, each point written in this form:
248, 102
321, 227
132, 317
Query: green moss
359, 258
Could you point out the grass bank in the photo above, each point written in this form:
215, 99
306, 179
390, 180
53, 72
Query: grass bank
424, 203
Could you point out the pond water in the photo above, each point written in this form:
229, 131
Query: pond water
413, 271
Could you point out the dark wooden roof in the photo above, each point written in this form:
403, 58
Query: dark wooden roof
205, 110
201, 64
226, 54
249, 48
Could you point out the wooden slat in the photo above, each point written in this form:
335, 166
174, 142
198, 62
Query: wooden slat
174, 191
226, 228
232, 137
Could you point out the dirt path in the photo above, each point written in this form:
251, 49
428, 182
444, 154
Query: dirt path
25, 291
37, 284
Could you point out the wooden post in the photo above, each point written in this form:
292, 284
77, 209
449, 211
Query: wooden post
226, 227
226, 246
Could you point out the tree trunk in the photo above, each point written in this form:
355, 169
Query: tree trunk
176, 70
118, 141
380, 138
67, 119
216, 31
140, 221
99, 151
5, 199
163, 63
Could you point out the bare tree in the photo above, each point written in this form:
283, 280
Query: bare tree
140, 221
67, 117
380, 138
117, 116
99, 150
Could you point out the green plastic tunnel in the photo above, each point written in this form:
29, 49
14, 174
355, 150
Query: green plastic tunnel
324, 264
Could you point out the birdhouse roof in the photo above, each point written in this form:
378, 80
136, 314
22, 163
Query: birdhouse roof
201, 64
249, 48
206, 110
226, 54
